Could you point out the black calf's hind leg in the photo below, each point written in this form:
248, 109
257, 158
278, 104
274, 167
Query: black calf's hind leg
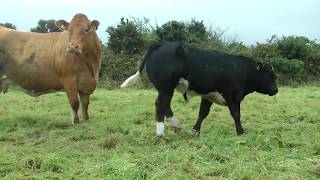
203, 113
162, 108
174, 122
235, 113
4, 84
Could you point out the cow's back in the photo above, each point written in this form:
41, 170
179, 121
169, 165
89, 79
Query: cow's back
31, 59
205, 70
164, 66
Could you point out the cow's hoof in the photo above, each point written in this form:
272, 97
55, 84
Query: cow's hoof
240, 132
195, 132
75, 121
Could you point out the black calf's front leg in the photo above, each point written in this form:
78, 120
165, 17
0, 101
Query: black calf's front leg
203, 113
235, 113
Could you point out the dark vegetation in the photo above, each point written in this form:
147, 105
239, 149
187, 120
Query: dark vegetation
296, 59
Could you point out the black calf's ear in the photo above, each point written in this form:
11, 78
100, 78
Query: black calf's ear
259, 66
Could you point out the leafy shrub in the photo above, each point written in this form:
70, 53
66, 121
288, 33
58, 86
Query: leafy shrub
295, 58
8, 25
294, 47
265, 51
115, 68
125, 38
172, 31
197, 32
45, 26
292, 67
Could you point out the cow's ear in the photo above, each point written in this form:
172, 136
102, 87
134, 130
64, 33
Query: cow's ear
95, 24
62, 25
259, 66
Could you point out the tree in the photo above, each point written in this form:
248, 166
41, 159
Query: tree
172, 31
294, 47
126, 38
198, 31
45, 26
8, 25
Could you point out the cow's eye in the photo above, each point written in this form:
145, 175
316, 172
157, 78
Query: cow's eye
86, 30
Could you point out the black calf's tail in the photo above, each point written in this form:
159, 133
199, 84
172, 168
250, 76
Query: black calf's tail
134, 78
151, 49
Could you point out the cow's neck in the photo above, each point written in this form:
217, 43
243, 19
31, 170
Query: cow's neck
251, 83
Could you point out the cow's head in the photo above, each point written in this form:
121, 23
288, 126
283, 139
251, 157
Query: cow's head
266, 79
81, 31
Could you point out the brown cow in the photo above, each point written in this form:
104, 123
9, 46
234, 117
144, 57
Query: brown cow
40, 63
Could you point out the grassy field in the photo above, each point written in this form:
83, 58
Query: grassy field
282, 139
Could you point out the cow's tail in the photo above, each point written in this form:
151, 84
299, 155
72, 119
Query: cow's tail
131, 80
134, 78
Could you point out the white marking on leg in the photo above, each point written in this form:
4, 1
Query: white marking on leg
160, 129
174, 122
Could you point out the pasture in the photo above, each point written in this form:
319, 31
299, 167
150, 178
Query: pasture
282, 139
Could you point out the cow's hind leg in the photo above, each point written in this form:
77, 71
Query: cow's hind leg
4, 84
174, 122
203, 113
163, 108
70, 87
85, 100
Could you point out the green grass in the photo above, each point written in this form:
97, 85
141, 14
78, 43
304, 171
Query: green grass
282, 139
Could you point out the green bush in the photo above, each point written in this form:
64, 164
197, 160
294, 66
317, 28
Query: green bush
294, 47
290, 71
265, 51
292, 67
126, 38
296, 59
172, 31
8, 25
115, 68
45, 26
197, 32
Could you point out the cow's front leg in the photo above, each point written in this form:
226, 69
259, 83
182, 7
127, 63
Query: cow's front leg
85, 100
235, 113
203, 113
70, 87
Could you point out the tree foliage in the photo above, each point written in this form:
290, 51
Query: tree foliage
295, 58
294, 47
8, 25
126, 37
45, 26
172, 31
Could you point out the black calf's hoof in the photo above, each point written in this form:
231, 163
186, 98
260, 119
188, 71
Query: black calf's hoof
240, 132
195, 132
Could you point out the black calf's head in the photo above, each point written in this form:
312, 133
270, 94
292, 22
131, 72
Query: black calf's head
266, 79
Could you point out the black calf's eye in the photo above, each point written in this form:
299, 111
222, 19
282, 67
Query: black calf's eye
86, 30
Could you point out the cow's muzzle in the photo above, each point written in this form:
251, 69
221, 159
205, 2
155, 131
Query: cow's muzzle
74, 48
